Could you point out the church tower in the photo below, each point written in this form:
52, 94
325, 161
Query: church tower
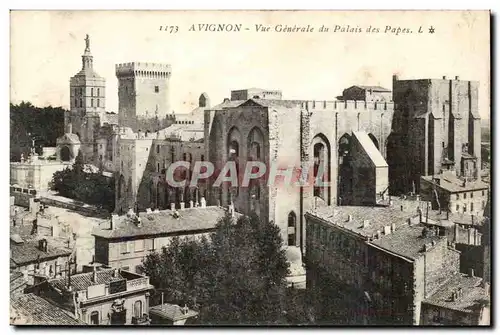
87, 105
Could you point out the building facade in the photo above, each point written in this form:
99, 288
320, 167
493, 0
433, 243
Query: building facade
436, 125
101, 296
130, 238
374, 265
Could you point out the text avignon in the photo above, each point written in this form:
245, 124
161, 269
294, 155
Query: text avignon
215, 27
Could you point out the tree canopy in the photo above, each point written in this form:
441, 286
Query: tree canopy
92, 188
236, 275
28, 122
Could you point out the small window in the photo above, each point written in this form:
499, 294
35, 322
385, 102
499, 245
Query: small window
98, 104
158, 149
465, 195
472, 207
139, 245
157, 167
458, 196
472, 194
150, 244
123, 247
458, 208
202, 158
91, 92
157, 89
91, 102
98, 92
482, 204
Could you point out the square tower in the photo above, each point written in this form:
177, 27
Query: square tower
143, 95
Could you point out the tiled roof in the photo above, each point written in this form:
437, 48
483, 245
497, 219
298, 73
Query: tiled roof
473, 294
82, 281
171, 312
163, 222
30, 309
406, 241
378, 216
370, 148
28, 252
453, 184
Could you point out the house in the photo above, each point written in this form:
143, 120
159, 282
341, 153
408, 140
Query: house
101, 296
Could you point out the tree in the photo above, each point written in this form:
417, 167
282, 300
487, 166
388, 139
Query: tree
236, 276
28, 122
93, 188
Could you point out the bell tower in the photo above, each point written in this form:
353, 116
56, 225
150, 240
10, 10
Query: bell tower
87, 104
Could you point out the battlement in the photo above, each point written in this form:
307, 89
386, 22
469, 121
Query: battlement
346, 105
141, 69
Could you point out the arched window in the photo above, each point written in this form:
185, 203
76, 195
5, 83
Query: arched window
91, 102
321, 154
292, 229
138, 309
81, 103
121, 186
98, 103
65, 154
94, 318
92, 92
255, 143
98, 92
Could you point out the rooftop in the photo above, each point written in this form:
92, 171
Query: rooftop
454, 184
407, 241
473, 294
30, 309
164, 222
366, 221
82, 281
373, 88
29, 252
172, 312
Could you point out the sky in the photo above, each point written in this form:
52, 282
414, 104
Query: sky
46, 49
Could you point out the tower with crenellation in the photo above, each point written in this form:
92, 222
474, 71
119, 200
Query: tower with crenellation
144, 95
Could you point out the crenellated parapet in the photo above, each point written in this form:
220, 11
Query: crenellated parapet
141, 69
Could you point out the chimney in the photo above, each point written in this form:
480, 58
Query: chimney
156, 210
231, 209
182, 205
366, 223
191, 204
94, 275
114, 221
148, 210
391, 203
349, 218
138, 222
387, 230
393, 227
444, 77
70, 128
115, 273
172, 206
471, 272
203, 202
457, 78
